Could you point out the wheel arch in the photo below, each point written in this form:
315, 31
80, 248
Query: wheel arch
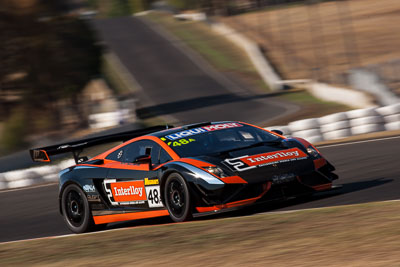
196, 193
163, 180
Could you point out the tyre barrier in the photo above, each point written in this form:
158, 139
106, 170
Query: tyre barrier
337, 134
392, 118
344, 124
330, 127
389, 110
333, 118
334, 126
367, 128
361, 113
392, 126
302, 125
376, 120
33, 175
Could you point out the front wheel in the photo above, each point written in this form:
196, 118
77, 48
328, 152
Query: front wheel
75, 209
177, 198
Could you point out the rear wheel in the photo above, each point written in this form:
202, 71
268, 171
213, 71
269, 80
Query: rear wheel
177, 198
75, 209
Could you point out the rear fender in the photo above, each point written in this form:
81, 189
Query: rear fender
85, 184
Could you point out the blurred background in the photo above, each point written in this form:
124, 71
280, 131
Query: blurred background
59, 79
321, 70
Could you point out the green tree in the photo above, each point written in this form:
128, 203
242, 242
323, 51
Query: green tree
184, 4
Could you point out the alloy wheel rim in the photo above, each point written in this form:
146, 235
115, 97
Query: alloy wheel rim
176, 197
75, 208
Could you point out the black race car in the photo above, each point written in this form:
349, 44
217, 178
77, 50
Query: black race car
185, 171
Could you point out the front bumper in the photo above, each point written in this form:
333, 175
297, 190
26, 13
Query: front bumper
233, 196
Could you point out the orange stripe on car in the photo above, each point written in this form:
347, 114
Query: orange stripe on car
129, 216
322, 187
145, 137
233, 180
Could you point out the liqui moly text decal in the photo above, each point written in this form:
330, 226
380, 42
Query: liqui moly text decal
251, 162
128, 191
203, 129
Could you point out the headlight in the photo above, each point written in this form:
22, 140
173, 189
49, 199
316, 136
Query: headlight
216, 171
312, 151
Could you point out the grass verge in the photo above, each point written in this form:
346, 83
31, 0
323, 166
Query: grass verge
355, 235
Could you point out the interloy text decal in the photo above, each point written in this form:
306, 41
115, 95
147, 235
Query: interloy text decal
128, 191
271, 157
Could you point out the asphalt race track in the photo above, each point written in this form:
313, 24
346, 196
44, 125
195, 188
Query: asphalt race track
368, 171
176, 82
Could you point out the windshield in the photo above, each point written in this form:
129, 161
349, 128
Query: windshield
216, 138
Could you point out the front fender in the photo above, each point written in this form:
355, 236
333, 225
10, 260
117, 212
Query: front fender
199, 181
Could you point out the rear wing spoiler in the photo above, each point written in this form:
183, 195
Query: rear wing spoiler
76, 147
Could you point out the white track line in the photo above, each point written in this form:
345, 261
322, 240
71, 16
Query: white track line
124, 228
360, 142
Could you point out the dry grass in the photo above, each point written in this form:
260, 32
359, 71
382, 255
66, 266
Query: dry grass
297, 45
358, 235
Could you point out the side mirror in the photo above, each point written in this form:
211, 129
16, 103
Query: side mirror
277, 131
143, 159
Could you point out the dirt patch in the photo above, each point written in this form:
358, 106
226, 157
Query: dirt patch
357, 235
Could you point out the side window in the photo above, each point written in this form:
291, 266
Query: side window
155, 151
126, 153
139, 148
131, 151
164, 156
158, 154
118, 154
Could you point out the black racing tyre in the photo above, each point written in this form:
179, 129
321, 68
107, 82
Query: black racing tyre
177, 198
76, 210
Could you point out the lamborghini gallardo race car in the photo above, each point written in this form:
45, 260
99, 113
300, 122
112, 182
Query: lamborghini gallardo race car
182, 172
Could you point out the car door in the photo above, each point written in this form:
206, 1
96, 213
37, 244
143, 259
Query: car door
133, 184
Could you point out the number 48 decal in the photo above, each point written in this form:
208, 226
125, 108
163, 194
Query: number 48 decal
181, 142
154, 196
